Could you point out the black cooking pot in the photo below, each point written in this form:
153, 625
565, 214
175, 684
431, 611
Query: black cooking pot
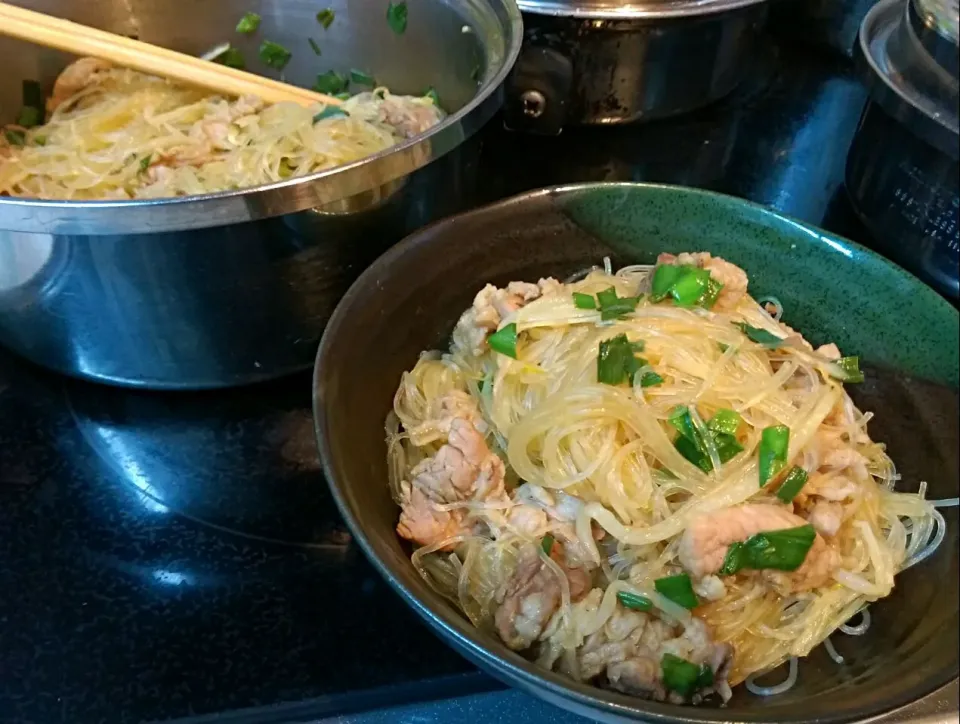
596, 62
902, 171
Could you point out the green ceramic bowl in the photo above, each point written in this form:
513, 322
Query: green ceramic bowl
832, 290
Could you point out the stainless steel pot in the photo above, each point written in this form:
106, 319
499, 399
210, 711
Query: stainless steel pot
236, 287
902, 173
606, 61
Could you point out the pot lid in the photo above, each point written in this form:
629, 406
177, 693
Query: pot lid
630, 9
904, 80
936, 24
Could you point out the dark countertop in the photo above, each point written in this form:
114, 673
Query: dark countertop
167, 556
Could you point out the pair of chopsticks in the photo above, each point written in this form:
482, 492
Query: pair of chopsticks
82, 40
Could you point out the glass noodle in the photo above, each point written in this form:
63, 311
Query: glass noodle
612, 449
130, 135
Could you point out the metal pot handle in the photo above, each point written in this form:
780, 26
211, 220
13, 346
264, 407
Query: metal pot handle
537, 92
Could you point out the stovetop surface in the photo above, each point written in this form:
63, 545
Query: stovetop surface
171, 556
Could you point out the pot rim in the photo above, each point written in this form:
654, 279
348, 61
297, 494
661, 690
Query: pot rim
650, 10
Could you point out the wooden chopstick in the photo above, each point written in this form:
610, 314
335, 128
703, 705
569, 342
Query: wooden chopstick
82, 40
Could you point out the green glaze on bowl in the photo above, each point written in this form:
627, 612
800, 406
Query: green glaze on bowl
832, 289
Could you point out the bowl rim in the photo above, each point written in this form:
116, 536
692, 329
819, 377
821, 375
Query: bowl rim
504, 664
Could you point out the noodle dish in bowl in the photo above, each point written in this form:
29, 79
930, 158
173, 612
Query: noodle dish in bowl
646, 479
650, 487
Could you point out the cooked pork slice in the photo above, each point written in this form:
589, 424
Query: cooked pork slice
708, 537
464, 469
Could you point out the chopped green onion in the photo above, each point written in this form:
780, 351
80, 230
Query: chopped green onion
232, 58
709, 298
326, 17
774, 444
30, 117
728, 447
274, 55
32, 94
760, 336
546, 545
693, 454
248, 23
679, 675
693, 448
32, 112
145, 163
329, 112
624, 305
504, 341
432, 95
607, 297
15, 138
725, 421
40, 140
678, 589
613, 307
705, 678
634, 601
688, 285
664, 277
850, 369
397, 16
330, 82
650, 379
615, 362
361, 78
584, 301
342, 96
781, 550
733, 561
792, 484
315, 47
681, 420
723, 347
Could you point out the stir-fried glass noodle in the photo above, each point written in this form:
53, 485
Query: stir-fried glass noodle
113, 133
646, 481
